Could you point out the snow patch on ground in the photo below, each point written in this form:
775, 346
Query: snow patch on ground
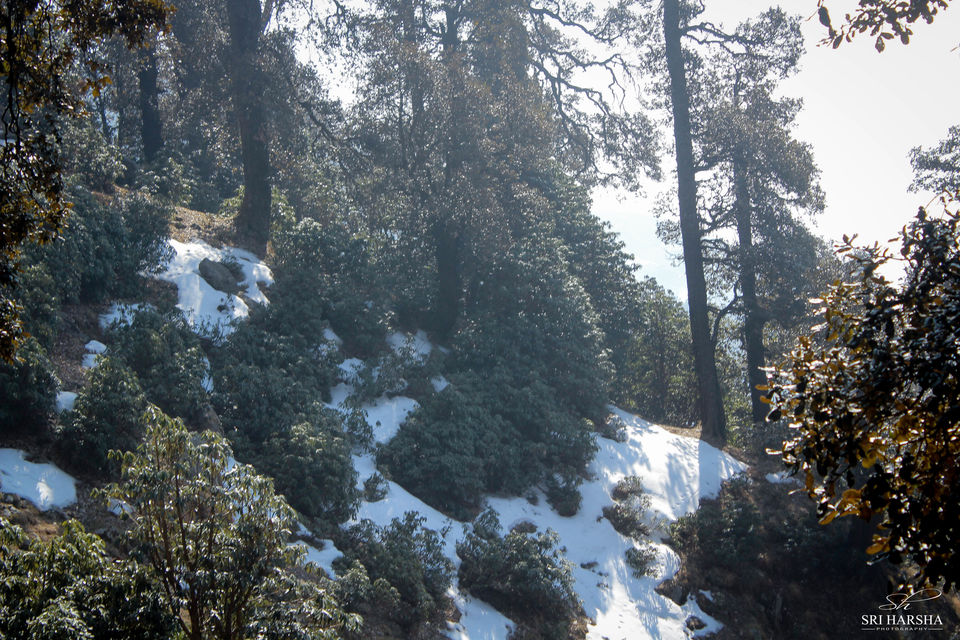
45, 485
478, 620
418, 345
439, 383
94, 349
692, 608
781, 477
65, 400
95, 346
207, 310
322, 558
386, 414
122, 313
350, 370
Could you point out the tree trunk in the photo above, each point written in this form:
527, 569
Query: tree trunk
246, 24
447, 242
449, 279
151, 131
752, 314
710, 401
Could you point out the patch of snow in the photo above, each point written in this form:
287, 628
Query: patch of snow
65, 400
207, 310
439, 383
121, 313
330, 336
692, 608
45, 485
323, 558
350, 370
675, 471
385, 415
339, 395
418, 345
781, 477
707, 594
207, 382
478, 620
119, 507
89, 360
95, 346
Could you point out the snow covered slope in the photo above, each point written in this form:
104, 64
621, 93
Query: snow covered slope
675, 471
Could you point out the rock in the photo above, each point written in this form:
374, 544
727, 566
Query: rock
695, 624
218, 276
210, 420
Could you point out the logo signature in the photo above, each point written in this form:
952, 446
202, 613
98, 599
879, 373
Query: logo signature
897, 616
898, 601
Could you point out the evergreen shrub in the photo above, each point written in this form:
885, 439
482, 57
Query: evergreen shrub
168, 360
525, 576
108, 414
27, 388
68, 587
406, 556
312, 468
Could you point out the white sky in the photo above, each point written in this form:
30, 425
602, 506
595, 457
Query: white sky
863, 112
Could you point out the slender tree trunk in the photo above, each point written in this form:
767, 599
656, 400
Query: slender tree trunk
710, 400
447, 242
151, 128
449, 279
752, 314
246, 24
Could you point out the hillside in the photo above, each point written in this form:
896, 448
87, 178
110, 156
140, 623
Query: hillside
310, 330
675, 473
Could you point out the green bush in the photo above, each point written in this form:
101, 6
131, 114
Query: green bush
266, 380
495, 432
168, 360
375, 488
530, 415
36, 293
626, 514
323, 273
525, 576
727, 526
530, 314
455, 436
409, 558
563, 494
659, 380
88, 156
108, 414
639, 560
69, 587
27, 388
312, 468
104, 247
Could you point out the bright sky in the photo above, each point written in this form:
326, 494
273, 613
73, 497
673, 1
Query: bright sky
863, 113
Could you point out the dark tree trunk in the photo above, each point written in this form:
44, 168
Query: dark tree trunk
710, 400
449, 279
151, 129
447, 241
753, 320
246, 25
